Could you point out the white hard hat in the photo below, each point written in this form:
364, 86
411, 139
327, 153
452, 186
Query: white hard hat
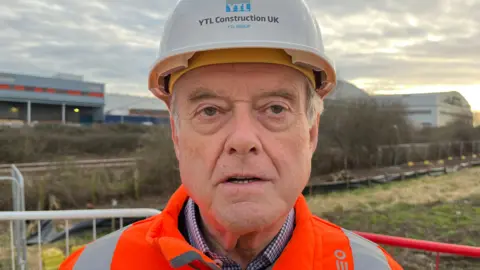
197, 26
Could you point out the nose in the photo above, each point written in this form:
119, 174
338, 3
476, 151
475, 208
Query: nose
243, 138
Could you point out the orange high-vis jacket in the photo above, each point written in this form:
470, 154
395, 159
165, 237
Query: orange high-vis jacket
157, 243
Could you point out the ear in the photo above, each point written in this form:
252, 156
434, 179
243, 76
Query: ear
174, 137
314, 134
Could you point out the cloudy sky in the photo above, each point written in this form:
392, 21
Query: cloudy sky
380, 45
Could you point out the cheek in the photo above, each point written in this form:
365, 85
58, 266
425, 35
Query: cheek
197, 158
292, 156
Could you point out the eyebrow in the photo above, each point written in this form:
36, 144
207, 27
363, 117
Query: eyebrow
205, 93
283, 93
201, 94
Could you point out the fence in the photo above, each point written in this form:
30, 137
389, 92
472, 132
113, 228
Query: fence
65, 216
435, 247
18, 230
94, 215
388, 155
86, 164
17, 227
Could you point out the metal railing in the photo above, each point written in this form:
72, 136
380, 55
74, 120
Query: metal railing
436, 247
93, 215
17, 227
65, 216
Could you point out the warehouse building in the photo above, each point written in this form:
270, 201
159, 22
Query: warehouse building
148, 110
432, 109
122, 108
63, 98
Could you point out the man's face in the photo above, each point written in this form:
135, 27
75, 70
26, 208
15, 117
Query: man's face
243, 142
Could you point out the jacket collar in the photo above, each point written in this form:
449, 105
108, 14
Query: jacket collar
165, 234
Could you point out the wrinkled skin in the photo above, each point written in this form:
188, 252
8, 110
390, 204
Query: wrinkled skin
243, 119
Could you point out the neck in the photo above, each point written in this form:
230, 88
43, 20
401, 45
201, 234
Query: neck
242, 248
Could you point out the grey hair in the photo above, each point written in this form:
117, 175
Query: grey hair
315, 106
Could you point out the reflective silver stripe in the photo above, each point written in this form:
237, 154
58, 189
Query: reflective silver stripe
366, 254
187, 258
98, 255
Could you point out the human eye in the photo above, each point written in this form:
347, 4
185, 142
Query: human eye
276, 109
276, 116
208, 111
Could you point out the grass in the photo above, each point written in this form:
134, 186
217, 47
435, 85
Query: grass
34, 250
447, 188
444, 209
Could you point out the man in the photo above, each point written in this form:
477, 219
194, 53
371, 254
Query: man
244, 82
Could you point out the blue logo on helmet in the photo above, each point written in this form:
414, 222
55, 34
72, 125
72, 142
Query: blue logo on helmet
238, 6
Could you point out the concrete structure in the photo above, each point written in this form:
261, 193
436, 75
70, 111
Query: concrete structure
120, 108
432, 109
62, 98
347, 91
121, 104
130, 108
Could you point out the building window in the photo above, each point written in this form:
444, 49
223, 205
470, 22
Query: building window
419, 112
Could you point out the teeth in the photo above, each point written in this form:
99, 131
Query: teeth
241, 181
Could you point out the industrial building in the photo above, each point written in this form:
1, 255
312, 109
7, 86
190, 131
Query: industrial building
68, 99
120, 108
63, 98
432, 109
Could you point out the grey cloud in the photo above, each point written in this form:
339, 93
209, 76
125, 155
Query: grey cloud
116, 41
346, 8
359, 53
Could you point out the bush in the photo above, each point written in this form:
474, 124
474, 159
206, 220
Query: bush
158, 168
349, 136
351, 131
69, 187
47, 142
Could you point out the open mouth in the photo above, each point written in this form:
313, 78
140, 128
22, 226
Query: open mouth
243, 180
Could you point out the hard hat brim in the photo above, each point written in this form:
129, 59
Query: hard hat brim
301, 55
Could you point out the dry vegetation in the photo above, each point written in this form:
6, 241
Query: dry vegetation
349, 136
444, 209
447, 188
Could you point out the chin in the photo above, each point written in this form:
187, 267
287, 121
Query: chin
246, 217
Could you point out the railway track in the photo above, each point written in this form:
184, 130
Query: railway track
319, 184
85, 164
367, 178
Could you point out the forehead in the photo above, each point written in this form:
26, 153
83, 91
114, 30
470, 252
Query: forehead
240, 78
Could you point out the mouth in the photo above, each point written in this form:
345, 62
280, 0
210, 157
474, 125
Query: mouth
242, 179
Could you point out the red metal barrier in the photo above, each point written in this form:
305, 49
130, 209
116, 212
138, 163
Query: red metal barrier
437, 247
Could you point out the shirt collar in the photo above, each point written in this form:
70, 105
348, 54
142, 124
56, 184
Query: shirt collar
267, 257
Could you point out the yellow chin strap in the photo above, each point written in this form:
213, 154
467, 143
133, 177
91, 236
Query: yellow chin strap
246, 55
